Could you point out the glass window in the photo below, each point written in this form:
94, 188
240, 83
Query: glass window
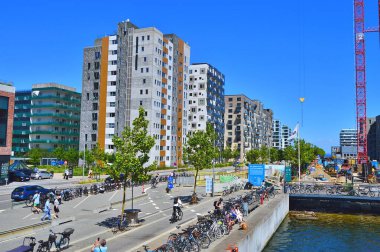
3, 120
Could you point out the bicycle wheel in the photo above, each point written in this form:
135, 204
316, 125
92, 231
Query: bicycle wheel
42, 248
192, 246
180, 215
204, 241
64, 242
271, 195
29, 201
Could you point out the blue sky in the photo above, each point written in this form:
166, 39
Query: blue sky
275, 51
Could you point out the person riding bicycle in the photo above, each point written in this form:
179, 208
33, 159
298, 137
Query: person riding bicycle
156, 179
177, 203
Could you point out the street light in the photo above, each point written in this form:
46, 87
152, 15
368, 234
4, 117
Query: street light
84, 153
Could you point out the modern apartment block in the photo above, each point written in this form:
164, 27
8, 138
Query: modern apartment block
348, 143
277, 135
248, 125
206, 100
21, 124
285, 134
54, 117
136, 67
7, 96
373, 138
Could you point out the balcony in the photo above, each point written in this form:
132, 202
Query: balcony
54, 141
54, 132
55, 97
55, 106
52, 123
74, 117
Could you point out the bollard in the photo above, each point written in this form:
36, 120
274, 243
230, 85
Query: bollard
143, 191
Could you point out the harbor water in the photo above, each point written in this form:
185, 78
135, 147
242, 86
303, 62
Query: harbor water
329, 232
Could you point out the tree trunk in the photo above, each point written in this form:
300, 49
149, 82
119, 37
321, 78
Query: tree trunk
123, 203
194, 198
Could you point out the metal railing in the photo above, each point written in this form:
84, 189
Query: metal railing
332, 189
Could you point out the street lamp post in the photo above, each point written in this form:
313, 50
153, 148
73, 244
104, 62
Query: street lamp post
84, 159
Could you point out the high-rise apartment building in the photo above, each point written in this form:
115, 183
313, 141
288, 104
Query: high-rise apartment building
348, 143
247, 124
277, 135
285, 134
54, 117
136, 67
21, 124
7, 96
206, 100
371, 137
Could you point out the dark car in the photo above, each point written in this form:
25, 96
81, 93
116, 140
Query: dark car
111, 180
17, 175
26, 192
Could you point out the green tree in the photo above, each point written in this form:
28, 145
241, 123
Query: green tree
71, 156
35, 156
132, 152
253, 156
227, 154
264, 154
200, 151
236, 153
59, 153
274, 155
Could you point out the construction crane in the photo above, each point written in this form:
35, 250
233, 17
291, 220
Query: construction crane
360, 69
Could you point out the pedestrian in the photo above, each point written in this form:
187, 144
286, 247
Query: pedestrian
46, 210
245, 208
66, 174
99, 246
90, 174
56, 208
36, 202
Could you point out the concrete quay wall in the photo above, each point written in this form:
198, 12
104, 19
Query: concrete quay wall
262, 224
335, 204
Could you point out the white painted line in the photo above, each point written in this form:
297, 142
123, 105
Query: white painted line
5, 200
145, 203
147, 213
192, 210
2, 210
113, 196
157, 207
153, 204
165, 215
165, 202
151, 201
81, 201
27, 216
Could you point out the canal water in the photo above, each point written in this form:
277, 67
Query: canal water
330, 232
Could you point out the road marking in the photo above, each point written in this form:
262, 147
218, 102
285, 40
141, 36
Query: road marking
153, 204
112, 196
157, 207
81, 201
192, 210
151, 201
147, 189
166, 202
27, 216
147, 213
145, 203
5, 200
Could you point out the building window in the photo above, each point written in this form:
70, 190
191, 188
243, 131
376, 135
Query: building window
96, 75
96, 85
112, 104
95, 96
144, 59
142, 48
94, 116
146, 91
94, 127
141, 91
113, 83
148, 37
88, 66
97, 55
144, 81
141, 103
113, 72
95, 106
88, 96
93, 137
112, 93
97, 65
147, 70
142, 70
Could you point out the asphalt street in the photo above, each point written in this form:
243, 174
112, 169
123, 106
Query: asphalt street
156, 208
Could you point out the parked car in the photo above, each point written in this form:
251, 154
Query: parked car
41, 175
17, 175
26, 192
27, 171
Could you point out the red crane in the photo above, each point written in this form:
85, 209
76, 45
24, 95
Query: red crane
360, 68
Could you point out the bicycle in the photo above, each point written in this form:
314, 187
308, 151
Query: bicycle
63, 242
177, 215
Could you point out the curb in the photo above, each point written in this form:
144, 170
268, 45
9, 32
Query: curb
112, 204
24, 228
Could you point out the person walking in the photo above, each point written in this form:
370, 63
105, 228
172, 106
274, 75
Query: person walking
46, 210
36, 202
56, 208
99, 246
245, 208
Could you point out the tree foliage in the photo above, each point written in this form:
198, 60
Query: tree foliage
35, 156
200, 150
253, 156
227, 154
132, 152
